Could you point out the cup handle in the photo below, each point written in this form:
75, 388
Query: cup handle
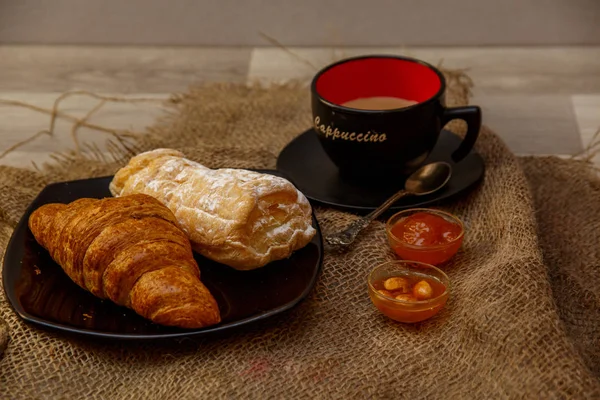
472, 116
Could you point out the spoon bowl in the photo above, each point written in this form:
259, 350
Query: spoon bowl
428, 179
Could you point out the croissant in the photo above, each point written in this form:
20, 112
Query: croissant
237, 217
129, 250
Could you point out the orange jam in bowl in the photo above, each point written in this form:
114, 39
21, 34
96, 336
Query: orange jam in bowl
408, 291
425, 235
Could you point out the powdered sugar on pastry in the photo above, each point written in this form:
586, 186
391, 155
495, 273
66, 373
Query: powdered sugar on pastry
240, 218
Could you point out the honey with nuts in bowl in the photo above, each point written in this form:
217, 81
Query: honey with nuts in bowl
408, 291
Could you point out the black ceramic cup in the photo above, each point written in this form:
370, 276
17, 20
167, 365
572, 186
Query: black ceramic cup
369, 143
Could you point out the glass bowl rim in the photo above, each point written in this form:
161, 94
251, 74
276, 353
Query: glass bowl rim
389, 226
404, 302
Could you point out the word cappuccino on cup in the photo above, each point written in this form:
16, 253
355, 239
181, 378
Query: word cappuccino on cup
334, 134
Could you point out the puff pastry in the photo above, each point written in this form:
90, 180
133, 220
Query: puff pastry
237, 217
129, 250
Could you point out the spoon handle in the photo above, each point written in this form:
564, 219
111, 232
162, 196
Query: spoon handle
347, 236
385, 205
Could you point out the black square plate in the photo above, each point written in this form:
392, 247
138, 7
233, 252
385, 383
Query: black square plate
41, 293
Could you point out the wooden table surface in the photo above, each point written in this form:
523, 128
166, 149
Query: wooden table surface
541, 100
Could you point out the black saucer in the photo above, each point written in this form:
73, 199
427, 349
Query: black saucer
305, 163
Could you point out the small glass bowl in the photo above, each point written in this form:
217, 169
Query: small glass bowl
409, 311
435, 254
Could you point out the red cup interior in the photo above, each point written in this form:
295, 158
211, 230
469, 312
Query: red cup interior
375, 77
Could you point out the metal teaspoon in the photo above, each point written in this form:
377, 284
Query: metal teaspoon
426, 180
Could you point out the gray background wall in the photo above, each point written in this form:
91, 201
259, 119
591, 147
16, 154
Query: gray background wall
298, 22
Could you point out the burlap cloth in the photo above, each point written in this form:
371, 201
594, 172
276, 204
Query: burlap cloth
523, 320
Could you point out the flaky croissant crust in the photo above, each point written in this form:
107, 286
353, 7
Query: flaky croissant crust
129, 250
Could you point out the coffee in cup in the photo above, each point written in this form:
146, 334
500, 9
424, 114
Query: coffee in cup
379, 103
